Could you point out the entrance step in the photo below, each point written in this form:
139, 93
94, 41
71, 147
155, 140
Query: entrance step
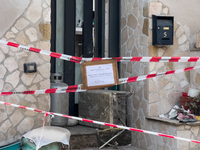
83, 137
129, 147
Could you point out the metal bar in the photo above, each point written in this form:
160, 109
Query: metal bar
99, 28
53, 34
114, 32
69, 48
114, 28
87, 28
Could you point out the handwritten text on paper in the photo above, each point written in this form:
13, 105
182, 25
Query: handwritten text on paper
100, 75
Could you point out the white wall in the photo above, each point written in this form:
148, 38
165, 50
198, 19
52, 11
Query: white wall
11, 10
187, 13
25, 22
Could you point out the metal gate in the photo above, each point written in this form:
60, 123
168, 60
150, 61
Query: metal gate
63, 39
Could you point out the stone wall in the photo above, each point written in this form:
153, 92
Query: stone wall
152, 142
158, 95
191, 132
31, 27
134, 42
164, 92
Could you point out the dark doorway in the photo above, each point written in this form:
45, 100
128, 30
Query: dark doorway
67, 40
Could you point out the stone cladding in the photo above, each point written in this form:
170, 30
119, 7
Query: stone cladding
31, 28
158, 95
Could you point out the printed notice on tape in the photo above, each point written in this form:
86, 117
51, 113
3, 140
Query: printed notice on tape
99, 74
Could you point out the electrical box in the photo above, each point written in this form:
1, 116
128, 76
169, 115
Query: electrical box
30, 67
163, 30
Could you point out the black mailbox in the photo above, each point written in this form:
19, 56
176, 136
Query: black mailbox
163, 30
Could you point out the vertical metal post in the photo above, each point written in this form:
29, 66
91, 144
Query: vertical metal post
114, 28
53, 33
87, 28
114, 31
69, 48
99, 28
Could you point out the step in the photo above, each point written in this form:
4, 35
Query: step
83, 137
129, 147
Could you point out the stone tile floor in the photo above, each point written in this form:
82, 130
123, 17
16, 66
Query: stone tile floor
88, 132
79, 129
120, 148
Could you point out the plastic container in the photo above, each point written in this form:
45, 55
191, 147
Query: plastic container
193, 92
14, 146
28, 145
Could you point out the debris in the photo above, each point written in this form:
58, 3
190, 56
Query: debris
180, 114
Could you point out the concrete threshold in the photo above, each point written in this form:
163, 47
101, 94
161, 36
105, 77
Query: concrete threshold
119, 148
83, 137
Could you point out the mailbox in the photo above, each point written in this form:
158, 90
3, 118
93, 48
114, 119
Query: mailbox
163, 30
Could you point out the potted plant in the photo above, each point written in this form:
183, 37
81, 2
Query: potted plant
191, 103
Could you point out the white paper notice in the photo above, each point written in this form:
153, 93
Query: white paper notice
100, 75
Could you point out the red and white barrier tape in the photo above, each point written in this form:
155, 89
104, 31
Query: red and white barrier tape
119, 59
69, 89
100, 123
77, 88
140, 78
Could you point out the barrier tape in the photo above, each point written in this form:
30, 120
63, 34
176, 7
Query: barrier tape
77, 88
100, 123
119, 59
140, 78
69, 89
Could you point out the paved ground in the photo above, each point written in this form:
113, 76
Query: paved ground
78, 129
84, 130
120, 148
